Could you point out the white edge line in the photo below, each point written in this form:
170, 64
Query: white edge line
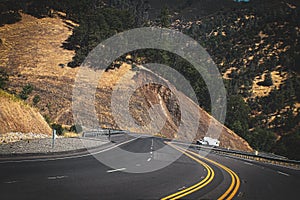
247, 163
68, 157
279, 172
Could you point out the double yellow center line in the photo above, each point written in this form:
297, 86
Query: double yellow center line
229, 193
209, 177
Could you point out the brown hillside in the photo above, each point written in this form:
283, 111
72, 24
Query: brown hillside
16, 116
31, 50
145, 97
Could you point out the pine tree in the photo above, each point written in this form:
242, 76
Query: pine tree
165, 17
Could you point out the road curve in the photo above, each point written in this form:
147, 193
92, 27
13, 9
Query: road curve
235, 181
192, 176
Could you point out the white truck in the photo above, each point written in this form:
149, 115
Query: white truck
209, 141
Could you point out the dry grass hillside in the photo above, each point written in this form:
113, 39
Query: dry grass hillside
16, 116
145, 98
32, 52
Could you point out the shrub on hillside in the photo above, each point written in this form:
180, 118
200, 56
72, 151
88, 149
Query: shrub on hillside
27, 89
3, 78
76, 129
36, 99
59, 129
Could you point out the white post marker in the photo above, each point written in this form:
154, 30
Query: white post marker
108, 134
53, 137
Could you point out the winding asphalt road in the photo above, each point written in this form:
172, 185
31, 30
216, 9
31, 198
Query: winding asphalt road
191, 176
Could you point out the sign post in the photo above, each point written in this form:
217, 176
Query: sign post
53, 138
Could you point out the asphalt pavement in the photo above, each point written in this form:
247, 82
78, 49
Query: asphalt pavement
124, 170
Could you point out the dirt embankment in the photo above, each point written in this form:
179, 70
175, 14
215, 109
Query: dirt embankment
16, 116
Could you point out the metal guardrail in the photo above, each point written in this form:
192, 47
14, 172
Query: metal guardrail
261, 157
103, 132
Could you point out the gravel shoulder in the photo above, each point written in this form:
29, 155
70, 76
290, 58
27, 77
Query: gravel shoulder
44, 145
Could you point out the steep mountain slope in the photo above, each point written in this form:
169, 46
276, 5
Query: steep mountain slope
154, 94
32, 52
256, 47
16, 116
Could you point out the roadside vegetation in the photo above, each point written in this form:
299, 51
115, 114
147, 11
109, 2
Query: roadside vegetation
245, 43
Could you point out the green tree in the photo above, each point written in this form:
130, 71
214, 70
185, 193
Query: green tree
237, 117
238, 127
289, 146
3, 78
261, 139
